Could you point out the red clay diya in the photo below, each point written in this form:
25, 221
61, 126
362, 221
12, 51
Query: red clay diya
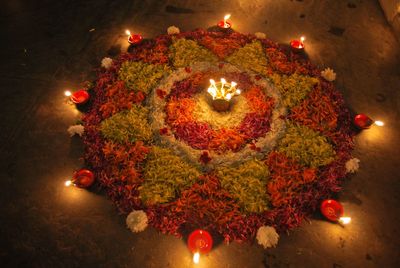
83, 178
332, 209
297, 45
362, 121
224, 25
135, 39
80, 97
200, 241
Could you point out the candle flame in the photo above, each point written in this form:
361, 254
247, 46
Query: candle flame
228, 96
379, 123
302, 39
196, 258
67, 93
344, 220
238, 91
128, 33
227, 16
68, 183
212, 91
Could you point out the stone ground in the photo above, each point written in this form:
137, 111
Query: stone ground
51, 46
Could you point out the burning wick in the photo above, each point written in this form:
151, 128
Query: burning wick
379, 123
68, 183
344, 220
226, 25
196, 257
67, 93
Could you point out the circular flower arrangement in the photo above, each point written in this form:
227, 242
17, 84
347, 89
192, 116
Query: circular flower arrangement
156, 144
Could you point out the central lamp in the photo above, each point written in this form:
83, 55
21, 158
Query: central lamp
222, 92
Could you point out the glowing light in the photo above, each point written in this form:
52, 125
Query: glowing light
302, 39
227, 16
223, 90
67, 93
68, 183
128, 33
344, 220
196, 258
379, 123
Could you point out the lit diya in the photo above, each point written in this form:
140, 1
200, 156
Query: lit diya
333, 211
298, 45
133, 39
222, 92
225, 24
82, 178
199, 242
362, 121
79, 97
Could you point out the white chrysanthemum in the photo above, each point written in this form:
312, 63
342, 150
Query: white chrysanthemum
260, 35
173, 30
106, 62
137, 221
267, 236
328, 74
352, 165
76, 130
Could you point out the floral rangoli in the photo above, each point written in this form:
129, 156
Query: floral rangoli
156, 144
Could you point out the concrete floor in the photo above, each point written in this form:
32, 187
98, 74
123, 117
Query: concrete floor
48, 47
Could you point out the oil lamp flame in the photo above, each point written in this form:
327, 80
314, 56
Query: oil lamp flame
302, 39
196, 258
379, 123
67, 93
223, 90
344, 220
128, 33
68, 183
227, 16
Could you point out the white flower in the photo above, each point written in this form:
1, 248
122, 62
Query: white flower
352, 165
260, 35
137, 221
76, 129
173, 30
328, 74
267, 236
106, 62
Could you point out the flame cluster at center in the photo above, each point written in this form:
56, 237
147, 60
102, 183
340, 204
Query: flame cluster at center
223, 90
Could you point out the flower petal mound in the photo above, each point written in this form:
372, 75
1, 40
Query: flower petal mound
163, 153
185, 52
139, 76
247, 184
165, 176
306, 146
251, 57
127, 126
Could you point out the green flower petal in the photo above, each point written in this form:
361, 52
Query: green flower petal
165, 176
127, 126
306, 146
247, 184
185, 52
139, 76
